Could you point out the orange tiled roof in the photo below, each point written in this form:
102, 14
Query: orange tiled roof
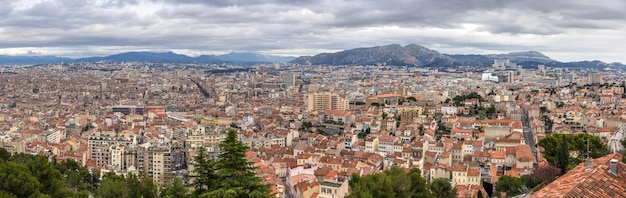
597, 182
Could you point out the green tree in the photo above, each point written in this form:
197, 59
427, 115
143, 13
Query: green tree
52, 182
442, 188
148, 188
510, 185
203, 174
16, 180
562, 157
112, 186
566, 150
4, 154
133, 186
176, 189
393, 182
230, 175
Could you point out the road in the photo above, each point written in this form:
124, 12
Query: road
615, 143
202, 90
528, 133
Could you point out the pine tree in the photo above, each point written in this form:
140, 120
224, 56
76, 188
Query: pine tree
229, 175
203, 173
235, 174
175, 190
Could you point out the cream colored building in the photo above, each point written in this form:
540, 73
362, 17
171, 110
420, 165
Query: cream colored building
326, 101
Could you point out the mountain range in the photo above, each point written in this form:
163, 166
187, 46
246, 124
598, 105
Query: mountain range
415, 55
156, 57
398, 55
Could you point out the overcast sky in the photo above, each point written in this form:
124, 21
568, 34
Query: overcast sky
565, 30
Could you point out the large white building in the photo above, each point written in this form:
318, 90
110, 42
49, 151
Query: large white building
489, 77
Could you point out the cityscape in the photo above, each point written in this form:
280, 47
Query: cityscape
312, 99
309, 129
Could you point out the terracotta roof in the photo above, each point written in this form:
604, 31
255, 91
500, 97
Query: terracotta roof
497, 154
597, 182
524, 154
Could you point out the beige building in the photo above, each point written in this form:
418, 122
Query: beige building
595, 78
326, 101
100, 145
333, 189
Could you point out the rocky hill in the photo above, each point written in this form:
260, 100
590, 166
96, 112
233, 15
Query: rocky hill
413, 55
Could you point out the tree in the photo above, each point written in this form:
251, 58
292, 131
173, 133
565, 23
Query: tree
562, 157
51, 180
546, 174
16, 180
510, 185
176, 189
203, 172
442, 188
111, 187
4, 154
229, 175
567, 150
148, 188
393, 182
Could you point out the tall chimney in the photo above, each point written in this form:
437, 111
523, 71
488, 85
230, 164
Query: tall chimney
613, 167
588, 164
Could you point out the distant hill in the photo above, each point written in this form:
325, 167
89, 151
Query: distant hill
518, 57
156, 57
254, 57
27, 60
413, 55
168, 57
409, 55
471, 60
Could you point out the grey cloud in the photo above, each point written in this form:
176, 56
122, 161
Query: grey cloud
250, 25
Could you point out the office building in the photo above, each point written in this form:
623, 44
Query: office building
289, 79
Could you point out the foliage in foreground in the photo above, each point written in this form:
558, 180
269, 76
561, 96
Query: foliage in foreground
230, 175
396, 183
24, 175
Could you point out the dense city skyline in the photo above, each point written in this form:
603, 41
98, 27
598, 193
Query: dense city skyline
563, 30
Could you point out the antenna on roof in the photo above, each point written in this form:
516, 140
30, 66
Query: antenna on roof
588, 151
588, 161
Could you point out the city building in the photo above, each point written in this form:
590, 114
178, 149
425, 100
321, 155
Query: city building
595, 78
326, 101
289, 79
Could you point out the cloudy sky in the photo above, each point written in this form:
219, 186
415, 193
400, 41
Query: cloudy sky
565, 30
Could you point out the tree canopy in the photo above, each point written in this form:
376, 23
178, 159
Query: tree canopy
515, 185
565, 151
24, 175
395, 182
460, 98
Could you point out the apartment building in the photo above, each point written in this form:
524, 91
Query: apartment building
326, 101
100, 144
